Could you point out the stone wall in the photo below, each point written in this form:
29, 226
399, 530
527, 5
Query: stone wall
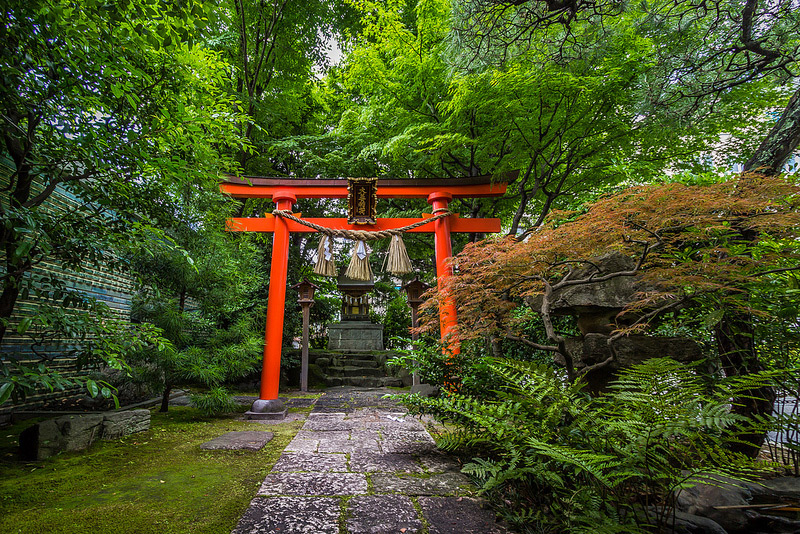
78, 432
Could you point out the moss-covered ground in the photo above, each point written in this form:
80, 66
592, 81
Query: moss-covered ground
158, 481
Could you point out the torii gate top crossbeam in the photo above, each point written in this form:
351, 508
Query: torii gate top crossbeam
263, 187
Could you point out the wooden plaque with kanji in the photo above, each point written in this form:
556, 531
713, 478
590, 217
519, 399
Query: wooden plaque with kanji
362, 196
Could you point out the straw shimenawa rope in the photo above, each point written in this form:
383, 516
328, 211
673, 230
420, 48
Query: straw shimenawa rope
359, 269
360, 235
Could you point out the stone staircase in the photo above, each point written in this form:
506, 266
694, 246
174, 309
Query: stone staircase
359, 369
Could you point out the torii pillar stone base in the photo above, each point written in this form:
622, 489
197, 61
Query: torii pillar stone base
267, 410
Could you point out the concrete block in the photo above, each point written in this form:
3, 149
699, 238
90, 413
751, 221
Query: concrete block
119, 424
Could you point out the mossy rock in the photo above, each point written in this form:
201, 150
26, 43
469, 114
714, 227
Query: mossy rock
316, 378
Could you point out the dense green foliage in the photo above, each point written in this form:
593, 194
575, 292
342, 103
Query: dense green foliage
700, 254
115, 107
205, 297
564, 461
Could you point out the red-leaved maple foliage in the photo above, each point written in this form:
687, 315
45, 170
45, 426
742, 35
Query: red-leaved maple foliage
687, 241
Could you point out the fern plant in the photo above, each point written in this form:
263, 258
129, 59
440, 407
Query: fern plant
568, 462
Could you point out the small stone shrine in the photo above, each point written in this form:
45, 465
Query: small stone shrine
355, 332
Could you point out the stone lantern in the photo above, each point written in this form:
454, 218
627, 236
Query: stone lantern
305, 292
355, 332
414, 290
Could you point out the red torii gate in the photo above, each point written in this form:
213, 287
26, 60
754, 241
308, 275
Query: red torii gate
285, 192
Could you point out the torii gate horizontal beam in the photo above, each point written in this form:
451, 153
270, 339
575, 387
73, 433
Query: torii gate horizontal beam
267, 224
263, 187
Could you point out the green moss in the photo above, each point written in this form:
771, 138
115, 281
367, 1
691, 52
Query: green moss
420, 515
158, 481
344, 515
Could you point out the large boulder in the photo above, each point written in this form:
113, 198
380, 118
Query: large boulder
683, 523
593, 348
596, 303
745, 507
632, 350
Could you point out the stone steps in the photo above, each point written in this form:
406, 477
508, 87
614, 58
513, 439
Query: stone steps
355, 371
364, 381
351, 362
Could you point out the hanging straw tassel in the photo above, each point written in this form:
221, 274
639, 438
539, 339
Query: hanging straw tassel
326, 265
397, 261
359, 268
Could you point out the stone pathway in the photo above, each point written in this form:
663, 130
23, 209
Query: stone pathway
360, 465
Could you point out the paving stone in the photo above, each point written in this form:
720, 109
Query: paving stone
408, 447
387, 447
342, 446
321, 408
397, 423
364, 435
401, 434
317, 463
350, 399
251, 440
295, 515
437, 462
302, 445
334, 416
348, 446
437, 484
314, 484
376, 415
363, 462
324, 426
290, 417
330, 434
451, 515
380, 514
300, 402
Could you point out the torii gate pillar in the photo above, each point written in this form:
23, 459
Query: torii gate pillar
443, 248
268, 405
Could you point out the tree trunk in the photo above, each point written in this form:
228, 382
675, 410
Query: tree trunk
165, 398
8, 301
735, 332
735, 335
20, 194
780, 143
